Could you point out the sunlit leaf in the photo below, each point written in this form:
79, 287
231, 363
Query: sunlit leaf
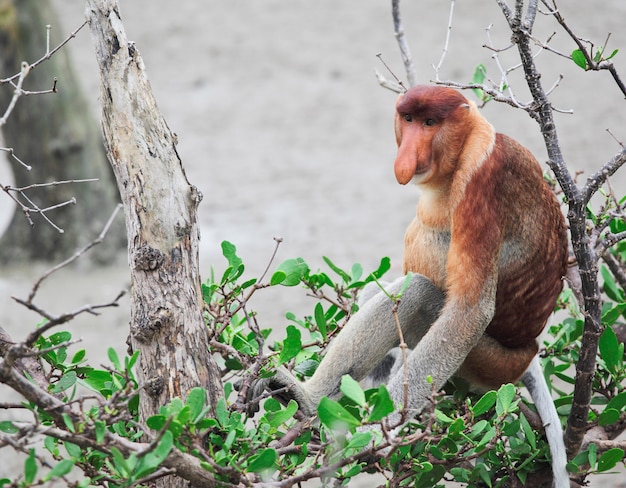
293, 270
292, 345
262, 461
610, 458
344, 276
30, 467
487, 401
352, 389
196, 401
579, 58
505, 397
333, 415
610, 349
61, 469
383, 405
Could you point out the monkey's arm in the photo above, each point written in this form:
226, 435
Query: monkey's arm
365, 340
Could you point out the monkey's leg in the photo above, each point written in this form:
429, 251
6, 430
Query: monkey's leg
372, 332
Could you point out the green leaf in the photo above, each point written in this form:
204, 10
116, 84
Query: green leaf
609, 459
73, 450
610, 286
618, 401
479, 74
383, 405
320, 320
579, 58
229, 251
598, 55
8, 427
333, 415
120, 462
60, 337
383, 267
61, 469
101, 428
608, 416
360, 440
344, 276
352, 389
66, 381
30, 467
486, 402
292, 345
610, 349
115, 360
293, 269
154, 458
610, 316
78, 357
278, 277
68, 422
442, 417
279, 417
156, 422
505, 397
98, 380
307, 367
196, 400
262, 461
528, 432
613, 54
356, 272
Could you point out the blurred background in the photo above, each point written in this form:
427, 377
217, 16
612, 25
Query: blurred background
285, 130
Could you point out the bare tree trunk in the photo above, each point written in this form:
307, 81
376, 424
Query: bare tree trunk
167, 325
58, 136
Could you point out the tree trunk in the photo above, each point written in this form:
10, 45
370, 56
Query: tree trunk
58, 137
167, 325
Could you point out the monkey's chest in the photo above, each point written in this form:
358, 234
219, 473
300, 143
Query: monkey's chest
426, 252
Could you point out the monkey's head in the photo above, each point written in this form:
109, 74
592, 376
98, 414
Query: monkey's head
431, 124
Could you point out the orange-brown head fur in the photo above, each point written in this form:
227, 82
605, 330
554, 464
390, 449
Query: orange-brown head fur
429, 124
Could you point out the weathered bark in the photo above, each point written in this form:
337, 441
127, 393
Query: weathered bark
58, 137
160, 206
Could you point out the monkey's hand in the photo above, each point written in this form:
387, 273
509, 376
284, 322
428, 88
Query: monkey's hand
283, 386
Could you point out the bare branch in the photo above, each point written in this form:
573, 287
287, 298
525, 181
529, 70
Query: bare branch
48, 54
447, 42
17, 93
595, 181
407, 59
75, 256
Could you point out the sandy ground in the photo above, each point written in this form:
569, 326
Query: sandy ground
284, 129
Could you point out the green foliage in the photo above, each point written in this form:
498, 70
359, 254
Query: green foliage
477, 440
598, 56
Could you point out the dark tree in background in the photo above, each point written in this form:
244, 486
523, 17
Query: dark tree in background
56, 135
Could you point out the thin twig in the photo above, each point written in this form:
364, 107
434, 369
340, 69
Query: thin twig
76, 255
48, 54
447, 41
17, 93
405, 52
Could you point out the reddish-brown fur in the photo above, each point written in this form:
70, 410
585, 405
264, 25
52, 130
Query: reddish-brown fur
486, 219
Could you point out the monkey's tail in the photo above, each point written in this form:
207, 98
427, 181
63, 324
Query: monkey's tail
535, 382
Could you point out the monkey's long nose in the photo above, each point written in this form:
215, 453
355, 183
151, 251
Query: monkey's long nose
405, 165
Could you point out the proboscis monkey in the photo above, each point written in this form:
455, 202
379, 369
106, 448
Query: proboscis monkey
487, 249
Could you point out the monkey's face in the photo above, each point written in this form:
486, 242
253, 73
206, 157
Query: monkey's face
425, 117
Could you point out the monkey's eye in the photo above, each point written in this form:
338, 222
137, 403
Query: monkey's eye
408, 117
430, 122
